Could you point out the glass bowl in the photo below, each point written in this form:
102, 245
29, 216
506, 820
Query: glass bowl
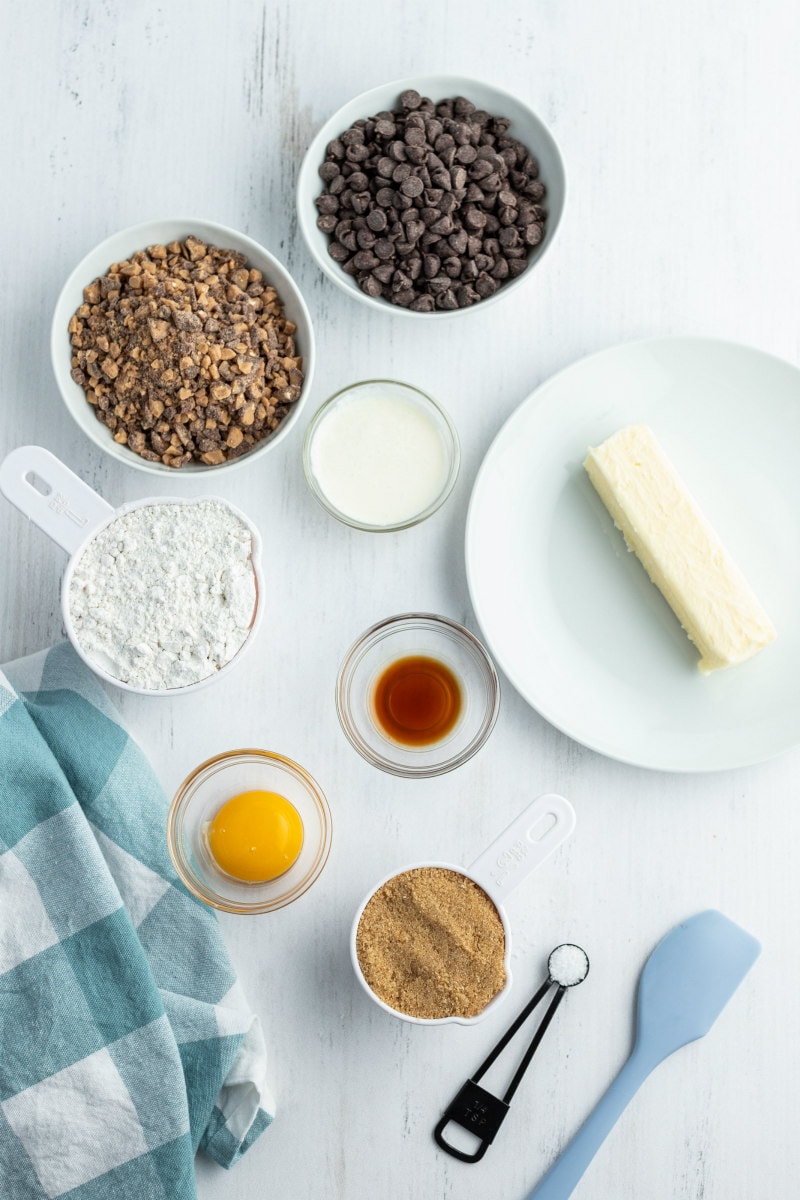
204, 792
411, 635
391, 390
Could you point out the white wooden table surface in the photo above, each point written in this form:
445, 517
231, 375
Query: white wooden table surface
678, 124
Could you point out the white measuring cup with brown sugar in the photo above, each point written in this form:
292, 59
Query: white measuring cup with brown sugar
518, 851
72, 514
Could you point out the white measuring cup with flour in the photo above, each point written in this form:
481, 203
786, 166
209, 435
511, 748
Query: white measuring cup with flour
518, 851
73, 514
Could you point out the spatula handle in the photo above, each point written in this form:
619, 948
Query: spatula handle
567, 1171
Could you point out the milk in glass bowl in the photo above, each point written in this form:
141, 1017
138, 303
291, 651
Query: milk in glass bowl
381, 455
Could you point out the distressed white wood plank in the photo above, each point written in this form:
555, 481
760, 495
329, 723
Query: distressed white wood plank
678, 125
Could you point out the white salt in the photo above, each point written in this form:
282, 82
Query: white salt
568, 965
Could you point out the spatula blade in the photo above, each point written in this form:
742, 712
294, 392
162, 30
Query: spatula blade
688, 979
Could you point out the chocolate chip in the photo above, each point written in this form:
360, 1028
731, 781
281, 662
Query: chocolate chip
485, 285
431, 205
443, 226
327, 203
480, 169
458, 241
412, 186
416, 155
376, 220
410, 99
371, 286
466, 295
509, 237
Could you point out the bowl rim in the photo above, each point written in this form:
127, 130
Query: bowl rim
312, 160
444, 421
350, 729
196, 886
60, 353
495, 1001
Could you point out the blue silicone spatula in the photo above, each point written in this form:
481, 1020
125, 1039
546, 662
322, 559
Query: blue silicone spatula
684, 986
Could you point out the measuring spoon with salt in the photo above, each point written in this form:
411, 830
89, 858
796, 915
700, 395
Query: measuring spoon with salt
477, 1110
684, 986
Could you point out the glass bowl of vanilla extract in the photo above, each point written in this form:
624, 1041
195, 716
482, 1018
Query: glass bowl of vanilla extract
417, 695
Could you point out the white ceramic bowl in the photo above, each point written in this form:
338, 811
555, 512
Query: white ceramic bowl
72, 514
525, 126
122, 245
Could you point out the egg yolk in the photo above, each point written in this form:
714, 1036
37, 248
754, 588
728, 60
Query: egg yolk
256, 836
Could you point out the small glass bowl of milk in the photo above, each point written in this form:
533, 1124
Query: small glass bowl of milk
381, 455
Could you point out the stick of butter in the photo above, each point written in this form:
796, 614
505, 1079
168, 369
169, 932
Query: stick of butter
662, 523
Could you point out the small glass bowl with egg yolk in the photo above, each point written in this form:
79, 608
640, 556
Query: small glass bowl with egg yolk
249, 831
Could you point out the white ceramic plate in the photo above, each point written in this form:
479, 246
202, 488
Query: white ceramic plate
571, 616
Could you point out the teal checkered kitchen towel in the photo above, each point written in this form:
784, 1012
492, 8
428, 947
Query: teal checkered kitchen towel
125, 1043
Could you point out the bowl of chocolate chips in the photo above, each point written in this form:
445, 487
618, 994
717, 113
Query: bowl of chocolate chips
182, 346
431, 196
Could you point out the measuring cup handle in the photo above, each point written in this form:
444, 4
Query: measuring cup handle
52, 496
524, 845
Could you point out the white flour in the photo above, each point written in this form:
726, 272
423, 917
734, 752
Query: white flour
165, 595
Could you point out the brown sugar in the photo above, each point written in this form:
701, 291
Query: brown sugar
431, 944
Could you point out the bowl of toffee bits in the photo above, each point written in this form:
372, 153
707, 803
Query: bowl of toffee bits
182, 346
431, 196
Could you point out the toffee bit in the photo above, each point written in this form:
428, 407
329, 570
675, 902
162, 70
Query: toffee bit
157, 333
